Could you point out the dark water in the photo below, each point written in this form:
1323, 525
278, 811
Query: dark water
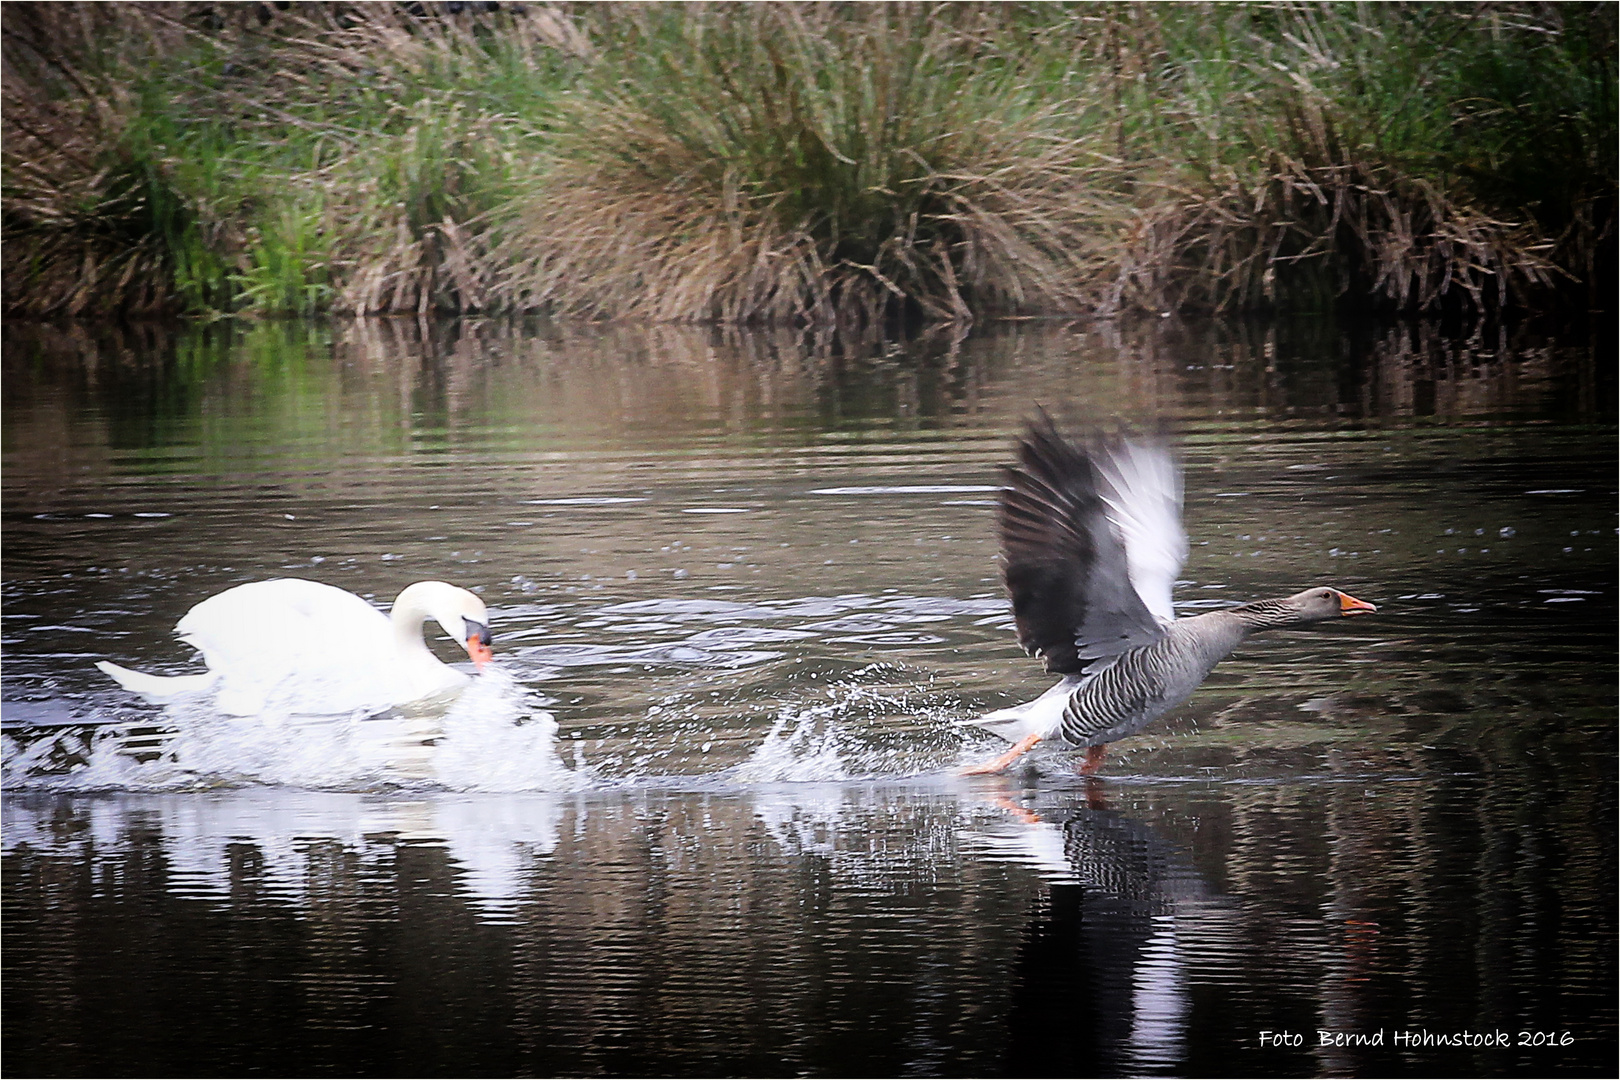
704, 819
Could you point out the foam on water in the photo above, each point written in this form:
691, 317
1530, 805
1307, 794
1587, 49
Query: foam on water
494, 737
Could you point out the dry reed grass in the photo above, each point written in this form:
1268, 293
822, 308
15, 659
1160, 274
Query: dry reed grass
328, 158
1381, 161
808, 164
396, 211
79, 231
1314, 229
734, 188
805, 163
1010, 233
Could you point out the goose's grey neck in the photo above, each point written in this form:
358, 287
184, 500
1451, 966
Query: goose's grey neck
1209, 638
1265, 615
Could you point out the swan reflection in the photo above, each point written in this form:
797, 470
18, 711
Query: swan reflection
217, 844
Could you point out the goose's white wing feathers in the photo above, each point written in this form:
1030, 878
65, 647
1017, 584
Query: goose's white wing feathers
1141, 485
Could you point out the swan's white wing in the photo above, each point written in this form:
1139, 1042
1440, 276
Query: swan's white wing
1141, 485
293, 645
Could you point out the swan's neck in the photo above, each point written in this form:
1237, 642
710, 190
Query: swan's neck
411, 610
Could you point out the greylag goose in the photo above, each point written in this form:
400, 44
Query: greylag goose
1092, 541
302, 647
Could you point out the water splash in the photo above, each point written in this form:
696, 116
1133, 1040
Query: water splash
498, 738
872, 726
877, 721
807, 752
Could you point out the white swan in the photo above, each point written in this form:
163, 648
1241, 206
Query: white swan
299, 647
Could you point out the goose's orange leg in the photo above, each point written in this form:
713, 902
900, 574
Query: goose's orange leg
1094, 759
995, 765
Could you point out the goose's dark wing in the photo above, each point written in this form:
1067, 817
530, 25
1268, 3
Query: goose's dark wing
1092, 538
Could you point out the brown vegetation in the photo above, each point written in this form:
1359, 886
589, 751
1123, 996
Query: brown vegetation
805, 163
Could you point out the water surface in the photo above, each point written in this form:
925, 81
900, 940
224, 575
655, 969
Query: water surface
703, 819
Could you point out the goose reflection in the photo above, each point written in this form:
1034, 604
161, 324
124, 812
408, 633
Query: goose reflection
1109, 952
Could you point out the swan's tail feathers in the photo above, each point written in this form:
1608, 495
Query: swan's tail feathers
157, 686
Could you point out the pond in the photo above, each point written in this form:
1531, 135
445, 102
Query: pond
702, 816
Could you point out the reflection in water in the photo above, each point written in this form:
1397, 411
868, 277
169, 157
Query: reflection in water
825, 906
430, 389
822, 928
1112, 941
702, 820
203, 837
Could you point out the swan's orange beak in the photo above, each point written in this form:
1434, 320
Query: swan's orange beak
1349, 605
478, 644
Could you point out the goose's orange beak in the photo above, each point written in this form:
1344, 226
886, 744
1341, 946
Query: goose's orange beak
1349, 605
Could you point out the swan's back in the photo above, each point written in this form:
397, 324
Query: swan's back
292, 644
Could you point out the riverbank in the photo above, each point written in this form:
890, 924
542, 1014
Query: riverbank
806, 163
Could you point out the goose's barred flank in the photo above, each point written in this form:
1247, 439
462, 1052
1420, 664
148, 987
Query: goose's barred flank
1092, 539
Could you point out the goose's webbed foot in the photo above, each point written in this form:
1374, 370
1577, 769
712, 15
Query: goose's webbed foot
999, 764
